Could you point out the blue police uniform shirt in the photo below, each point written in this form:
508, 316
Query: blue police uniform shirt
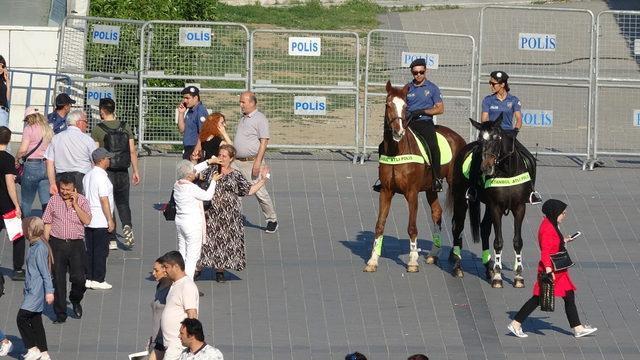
193, 120
422, 97
57, 122
492, 105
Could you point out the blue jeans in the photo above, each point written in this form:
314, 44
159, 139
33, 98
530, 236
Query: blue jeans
34, 180
4, 118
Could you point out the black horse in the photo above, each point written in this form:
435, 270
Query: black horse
506, 185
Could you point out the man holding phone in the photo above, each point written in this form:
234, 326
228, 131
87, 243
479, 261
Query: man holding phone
191, 115
64, 219
5, 92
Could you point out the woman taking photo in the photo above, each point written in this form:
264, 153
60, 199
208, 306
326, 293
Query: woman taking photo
552, 241
36, 137
224, 244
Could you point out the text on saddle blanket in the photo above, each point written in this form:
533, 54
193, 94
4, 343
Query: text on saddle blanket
445, 153
497, 181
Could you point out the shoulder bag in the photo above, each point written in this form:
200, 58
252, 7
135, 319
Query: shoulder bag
20, 163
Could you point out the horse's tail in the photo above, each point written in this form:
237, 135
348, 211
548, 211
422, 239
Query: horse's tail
474, 219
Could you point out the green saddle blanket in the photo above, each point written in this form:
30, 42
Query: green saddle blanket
495, 182
445, 153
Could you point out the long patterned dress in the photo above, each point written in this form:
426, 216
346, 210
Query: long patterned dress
223, 247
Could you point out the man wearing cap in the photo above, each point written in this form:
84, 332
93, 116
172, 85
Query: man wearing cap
252, 137
58, 118
191, 115
70, 152
99, 192
116, 136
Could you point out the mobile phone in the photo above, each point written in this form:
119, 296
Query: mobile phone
578, 233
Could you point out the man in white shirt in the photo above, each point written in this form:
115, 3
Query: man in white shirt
182, 302
192, 337
99, 192
70, 152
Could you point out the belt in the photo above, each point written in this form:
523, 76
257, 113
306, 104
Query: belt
65, 240
36, 159
250, 158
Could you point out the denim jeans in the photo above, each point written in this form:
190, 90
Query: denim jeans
4, 118
34, 180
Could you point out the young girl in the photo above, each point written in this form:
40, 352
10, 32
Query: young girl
38, 288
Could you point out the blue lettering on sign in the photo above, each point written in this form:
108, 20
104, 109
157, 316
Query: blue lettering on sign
537, 42
310, 106
304, 46
106, 35
537, 118
636, 118
199, 36
97, 95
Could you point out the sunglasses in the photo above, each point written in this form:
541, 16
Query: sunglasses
492, 83
418, 72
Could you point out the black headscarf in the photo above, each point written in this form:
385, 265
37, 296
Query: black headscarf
552, 208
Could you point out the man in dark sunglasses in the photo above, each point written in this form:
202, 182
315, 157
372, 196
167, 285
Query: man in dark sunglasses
424, 100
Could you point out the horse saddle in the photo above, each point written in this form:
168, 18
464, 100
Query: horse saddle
494, 181
446, 155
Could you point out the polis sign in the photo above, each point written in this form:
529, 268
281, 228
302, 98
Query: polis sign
537, 42
537, 118
430, 59
305, 46
105, 34
636, 118
197, 37
309, 105
95, 94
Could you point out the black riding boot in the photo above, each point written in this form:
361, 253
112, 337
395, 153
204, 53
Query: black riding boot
377, 186
534, 197
427, 130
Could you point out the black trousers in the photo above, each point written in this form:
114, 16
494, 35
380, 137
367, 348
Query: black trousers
97, 240
68, 256
188, 150
77, 177
569, 308
31, 329
121, 185
427, 130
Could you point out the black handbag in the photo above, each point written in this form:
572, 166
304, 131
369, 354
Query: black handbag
21, 160
547, 298
169, 211
561, 260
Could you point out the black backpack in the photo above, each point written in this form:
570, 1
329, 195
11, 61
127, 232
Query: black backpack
117, 142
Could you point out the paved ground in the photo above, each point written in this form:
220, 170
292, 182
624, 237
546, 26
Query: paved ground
303, 295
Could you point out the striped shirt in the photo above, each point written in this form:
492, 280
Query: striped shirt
65, 223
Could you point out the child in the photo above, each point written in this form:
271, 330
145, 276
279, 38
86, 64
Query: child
38, 288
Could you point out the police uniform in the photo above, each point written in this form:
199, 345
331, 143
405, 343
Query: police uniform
193, 119
57, 122
507, 108
420, 98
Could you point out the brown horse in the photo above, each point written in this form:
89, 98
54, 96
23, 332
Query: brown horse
408, 178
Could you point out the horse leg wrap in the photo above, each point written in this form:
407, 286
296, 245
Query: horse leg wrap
413, 252
498, 261
486, 256
457, 252
377, 246
517, 265
437, 244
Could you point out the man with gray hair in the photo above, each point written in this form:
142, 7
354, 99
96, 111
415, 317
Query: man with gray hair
70, 152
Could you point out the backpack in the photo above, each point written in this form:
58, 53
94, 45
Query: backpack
117, 142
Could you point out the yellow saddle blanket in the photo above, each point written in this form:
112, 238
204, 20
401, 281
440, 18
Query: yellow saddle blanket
495, 182
445, 153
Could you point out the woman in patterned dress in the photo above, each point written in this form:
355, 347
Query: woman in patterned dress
224, 244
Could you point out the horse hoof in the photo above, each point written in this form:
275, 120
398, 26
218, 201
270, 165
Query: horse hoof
518, 284
489, 274
496, 284
431, 260
458, 273
370, 268
412, 268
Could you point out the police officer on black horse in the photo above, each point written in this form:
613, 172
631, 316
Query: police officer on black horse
424, 101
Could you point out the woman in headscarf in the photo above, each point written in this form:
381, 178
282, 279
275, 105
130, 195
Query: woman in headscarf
552, 241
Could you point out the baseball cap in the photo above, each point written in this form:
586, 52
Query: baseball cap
30, 110
501, 76
191, 90
100, 153
64, 99
418, 62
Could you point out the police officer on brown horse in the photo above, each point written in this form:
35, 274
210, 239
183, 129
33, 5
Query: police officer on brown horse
424, 101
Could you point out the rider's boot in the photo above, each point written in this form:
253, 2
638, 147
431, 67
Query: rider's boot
437, 185
471, 194
377, 186
535, 198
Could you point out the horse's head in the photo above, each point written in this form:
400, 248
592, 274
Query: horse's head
490, 137
396, 107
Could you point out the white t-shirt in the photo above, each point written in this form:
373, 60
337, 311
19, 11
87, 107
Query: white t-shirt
96, 184
183, 295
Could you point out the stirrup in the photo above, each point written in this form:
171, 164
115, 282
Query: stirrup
437, 185
377, 186
535, 198
470, 195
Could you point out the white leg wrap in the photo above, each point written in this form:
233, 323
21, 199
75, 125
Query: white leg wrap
497, 260
413, 252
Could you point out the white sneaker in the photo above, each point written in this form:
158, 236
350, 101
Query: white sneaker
113, 245
89, 284
6, 348
586, 331
101, 285
517, 332
32, 355
45, 356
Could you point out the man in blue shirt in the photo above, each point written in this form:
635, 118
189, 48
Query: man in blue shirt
58, 118
191, 115
424, 100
